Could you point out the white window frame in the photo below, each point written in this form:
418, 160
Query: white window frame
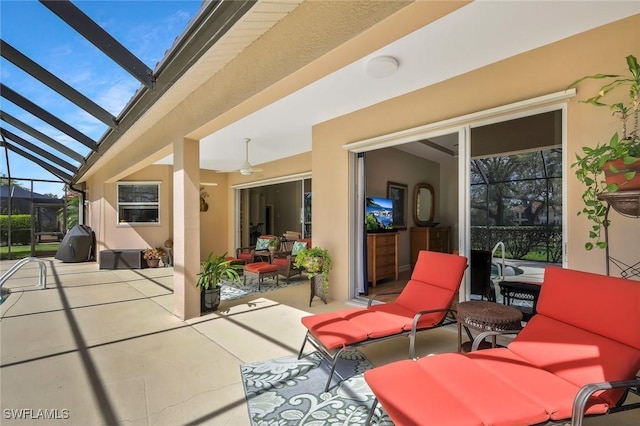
137, 204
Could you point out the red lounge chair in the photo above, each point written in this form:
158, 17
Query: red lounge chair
576, 356
423, 304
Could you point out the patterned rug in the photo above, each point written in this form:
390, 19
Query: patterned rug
235, 290
287, 391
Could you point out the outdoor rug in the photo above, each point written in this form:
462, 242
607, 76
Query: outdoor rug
287, 391
235, 290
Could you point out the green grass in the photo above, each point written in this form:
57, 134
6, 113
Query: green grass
19, 252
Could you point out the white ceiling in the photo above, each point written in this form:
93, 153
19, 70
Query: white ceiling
474, 36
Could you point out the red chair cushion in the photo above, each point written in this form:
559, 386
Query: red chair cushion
350, 326
245, 256
449, 389
281, 261
546, 389
333, 330
576, 355
599, 297
259, 267
434, 281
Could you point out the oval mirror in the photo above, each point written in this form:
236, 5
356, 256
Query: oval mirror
423, 204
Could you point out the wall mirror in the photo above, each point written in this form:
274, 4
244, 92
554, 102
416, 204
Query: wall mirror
423, 204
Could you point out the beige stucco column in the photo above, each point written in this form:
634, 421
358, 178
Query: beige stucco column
186, 228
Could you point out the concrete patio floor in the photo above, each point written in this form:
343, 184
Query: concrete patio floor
102, 347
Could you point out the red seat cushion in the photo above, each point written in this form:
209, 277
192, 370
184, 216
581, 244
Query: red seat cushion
551, 392
281, 261
333, 330
449, 389
346, 327
577, 356
259, 267
245, 256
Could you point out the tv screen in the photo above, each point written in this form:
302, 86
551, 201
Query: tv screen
379, 214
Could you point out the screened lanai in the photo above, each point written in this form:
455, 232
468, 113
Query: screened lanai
74, 80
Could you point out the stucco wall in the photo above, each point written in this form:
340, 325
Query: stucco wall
102, 217
541, 71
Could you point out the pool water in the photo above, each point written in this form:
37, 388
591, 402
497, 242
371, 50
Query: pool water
3, 295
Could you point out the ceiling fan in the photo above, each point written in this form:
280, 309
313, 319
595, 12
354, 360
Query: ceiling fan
246, 168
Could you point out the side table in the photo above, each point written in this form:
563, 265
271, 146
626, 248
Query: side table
481, 315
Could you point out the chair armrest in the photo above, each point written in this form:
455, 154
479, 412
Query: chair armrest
480, 337
281, 254
580, 401
414, 327
372, 298
248, 248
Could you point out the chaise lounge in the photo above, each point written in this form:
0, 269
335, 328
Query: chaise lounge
424, 304
576, 356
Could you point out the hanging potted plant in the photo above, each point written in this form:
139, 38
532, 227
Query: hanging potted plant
316, 262
214, 269
613, 166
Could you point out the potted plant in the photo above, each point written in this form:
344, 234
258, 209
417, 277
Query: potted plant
613, 166
316, 262
274, 245
153, 255
213, 270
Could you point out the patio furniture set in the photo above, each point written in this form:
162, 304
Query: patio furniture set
569, 361
261, 263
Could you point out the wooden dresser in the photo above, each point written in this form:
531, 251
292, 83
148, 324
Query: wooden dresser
432, 239
382, 256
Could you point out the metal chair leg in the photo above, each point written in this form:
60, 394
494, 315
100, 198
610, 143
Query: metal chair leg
371, 411
304, 342
336, 356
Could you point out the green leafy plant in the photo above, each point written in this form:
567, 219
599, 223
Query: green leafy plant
315, 261
591, 166
214, 269
274, 244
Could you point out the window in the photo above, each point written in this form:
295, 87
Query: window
138, 203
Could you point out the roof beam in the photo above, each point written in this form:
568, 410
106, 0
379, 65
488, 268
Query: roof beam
36, 149
27, 65
53, 170
211, 24
93, 32
8, 118
46, 116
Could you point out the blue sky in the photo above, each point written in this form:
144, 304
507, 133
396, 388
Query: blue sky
146, 27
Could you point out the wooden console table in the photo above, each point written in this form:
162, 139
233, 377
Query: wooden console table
428, 238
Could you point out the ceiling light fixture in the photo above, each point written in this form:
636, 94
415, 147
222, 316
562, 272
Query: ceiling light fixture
382, 66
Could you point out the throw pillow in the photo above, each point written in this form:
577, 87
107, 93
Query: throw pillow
262, 244
297, 246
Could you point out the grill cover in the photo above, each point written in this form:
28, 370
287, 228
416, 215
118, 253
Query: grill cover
77, 245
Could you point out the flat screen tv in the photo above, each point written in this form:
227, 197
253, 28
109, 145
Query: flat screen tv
379, 214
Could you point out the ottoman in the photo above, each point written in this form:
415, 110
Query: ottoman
260, 270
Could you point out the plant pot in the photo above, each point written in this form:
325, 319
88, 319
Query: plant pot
619, 179
209, 299
153, 263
